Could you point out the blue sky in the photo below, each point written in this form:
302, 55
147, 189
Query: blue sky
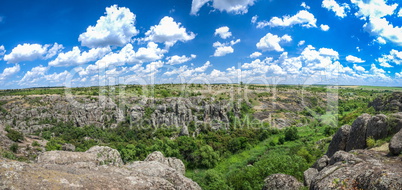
85, 43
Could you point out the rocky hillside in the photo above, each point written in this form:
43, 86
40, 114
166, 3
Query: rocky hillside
31, 113
97, 168
348, 164
392, 102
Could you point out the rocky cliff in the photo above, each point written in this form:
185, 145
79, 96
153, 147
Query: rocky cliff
97, 168
31, 113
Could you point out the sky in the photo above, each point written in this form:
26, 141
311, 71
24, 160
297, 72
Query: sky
105, 42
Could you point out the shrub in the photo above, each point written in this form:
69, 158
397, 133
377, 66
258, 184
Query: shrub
370, 142
14, 147
14, 135
35, 143
291, 134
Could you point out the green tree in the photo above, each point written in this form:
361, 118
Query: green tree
54, 144
213, 180
291, 134
206, 157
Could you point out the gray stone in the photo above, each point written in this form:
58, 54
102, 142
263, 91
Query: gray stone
281, 182
395, 123
106, 155
342, 156
68, 147
184, 131
172, 162
364, 169
339, 140
83, 170
309, 175
357, 135
321, 163
395, 146
377, 127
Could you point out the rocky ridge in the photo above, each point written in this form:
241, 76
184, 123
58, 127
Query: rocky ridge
98, 168
31, 113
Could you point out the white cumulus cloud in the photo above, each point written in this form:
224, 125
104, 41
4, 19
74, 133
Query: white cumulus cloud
254, 19
304, 5
301, 42
224, 48
384, 29
324, 27
374, 8
223, 32
30, 52
76, 57
230, 6
7, 72
375, 12
270, 42
169, 32
303, 17
34, 75
329, 52
353, 59
359, 68
255, 54
394, 57
116, 28
175, 60
339, 10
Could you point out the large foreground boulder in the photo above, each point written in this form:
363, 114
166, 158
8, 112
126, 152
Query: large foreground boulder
377, 127
339, 140
281, 182
169, 161
98, 168
395, 146
309, 175
357, 135
97, 155
395, 122
359, 169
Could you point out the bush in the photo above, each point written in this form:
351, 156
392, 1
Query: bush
213, 180
291, 134
35, 143
370, 142
14, 147
54, 144
328, 130
206, 157
14, 135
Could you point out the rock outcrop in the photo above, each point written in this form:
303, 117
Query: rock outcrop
357, 135
172, 162
395, 146
391, 102
354, 137
377, 127
98, 168
32, 113
281, 182
358, 169
95, 156
339, 140
309, 175
321, 163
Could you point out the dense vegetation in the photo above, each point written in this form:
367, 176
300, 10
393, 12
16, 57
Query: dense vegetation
239, 157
